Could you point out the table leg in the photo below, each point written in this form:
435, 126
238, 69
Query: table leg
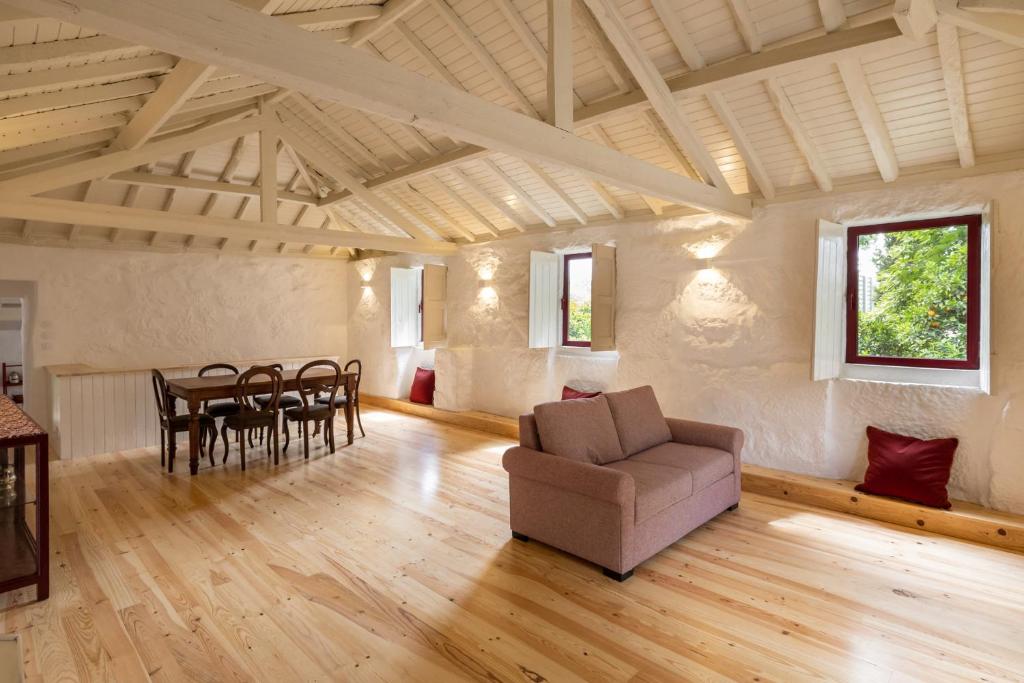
193, 436
350, 386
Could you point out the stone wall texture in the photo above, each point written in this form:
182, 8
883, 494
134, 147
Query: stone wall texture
731, 344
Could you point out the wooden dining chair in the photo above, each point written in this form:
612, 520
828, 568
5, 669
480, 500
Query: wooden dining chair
216, 409
252, 415
310, 387
341, 399
286, 401
170, 427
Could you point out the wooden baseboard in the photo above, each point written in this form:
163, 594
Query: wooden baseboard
964, 521
471, 419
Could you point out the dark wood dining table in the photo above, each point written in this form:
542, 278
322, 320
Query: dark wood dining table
195, 390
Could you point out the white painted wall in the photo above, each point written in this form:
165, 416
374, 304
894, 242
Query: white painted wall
138, 310
734, 345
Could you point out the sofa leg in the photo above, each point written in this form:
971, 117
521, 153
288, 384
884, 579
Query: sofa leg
520, 537
617, 576
733, 508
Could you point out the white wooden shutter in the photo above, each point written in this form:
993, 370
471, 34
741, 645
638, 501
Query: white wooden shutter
405, 301
829, 306
602, 298
543, 299
435, 296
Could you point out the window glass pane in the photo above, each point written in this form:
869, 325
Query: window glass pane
579, 273
912, 294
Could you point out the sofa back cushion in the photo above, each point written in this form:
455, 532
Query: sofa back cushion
638, 419
528, 436
581, 430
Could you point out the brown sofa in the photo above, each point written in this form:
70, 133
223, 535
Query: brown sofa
611, 480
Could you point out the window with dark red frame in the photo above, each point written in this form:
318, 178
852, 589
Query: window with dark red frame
576, 276
913, 293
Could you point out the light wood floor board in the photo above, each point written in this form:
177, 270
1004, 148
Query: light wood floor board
391, 561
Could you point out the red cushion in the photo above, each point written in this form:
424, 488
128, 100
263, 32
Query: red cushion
909, 468
423, 387
568, 393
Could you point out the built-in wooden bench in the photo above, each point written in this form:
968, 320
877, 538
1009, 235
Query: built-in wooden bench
471, 419
965, 520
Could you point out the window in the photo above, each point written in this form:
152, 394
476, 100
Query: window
576, 307
913, 294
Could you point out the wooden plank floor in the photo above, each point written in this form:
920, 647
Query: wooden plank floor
391, 561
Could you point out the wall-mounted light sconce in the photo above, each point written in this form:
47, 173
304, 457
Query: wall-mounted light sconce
707, 264
484, 283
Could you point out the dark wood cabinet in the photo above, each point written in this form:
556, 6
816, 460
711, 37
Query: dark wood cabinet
24, 502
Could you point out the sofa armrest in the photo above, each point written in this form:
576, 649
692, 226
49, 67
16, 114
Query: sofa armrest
589, 480
691, 433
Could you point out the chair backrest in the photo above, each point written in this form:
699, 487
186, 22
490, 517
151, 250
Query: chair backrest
160, 391
358, 364
244, 396
231, 369
276, 366
312, 386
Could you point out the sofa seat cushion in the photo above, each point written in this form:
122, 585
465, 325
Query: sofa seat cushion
657, 486
638, 419
581, 430
706, 465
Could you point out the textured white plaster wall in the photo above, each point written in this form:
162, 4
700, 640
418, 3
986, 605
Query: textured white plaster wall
130, 310
733, 345
387, 371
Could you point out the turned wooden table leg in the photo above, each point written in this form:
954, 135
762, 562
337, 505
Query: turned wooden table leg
193, 436
350, 383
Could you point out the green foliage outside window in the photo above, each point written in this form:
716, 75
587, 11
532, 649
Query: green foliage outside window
579, 320
920, 303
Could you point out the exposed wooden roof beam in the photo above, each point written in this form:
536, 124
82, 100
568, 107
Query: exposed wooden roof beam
353, 147
278, 53
1008, 6
179, 86
331, 15
481, 219
443, 216
77, 76
651, 82
559, 65
393, 11
90, 169
859, 40
743, 145
562, 195
606, 198
745, 24
680, 36
956, 93
183, 171
1007, 27
870, 116
799, 134
915, 18
58, 52
213, 187
66, 211
606, 54
833, 14
519, 192
268, 175
501, 206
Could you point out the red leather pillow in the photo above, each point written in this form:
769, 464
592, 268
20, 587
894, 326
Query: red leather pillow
909, 468
423, 387
568, 393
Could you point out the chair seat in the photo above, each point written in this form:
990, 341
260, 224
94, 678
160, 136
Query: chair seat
706, 465
247, 419
222, 409
315, 412
180, 422
286, 401
339, 401
657, 486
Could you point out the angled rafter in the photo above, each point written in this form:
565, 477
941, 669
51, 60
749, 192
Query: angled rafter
352, 145
1008, 6
833, 14
745, 24
559, 65
194, 28
870, 116
331, 15
179, 86
501, 206
353, 185
606, 198
607, 141
522, 194
956, 94
799, 134
57, 52
474, 45
268, 175
183, 170
393, 11
67, 211
442, 215
743, 145
599, 44
680, 36
916, 18
226, 175
562, 195
466, 206
428, 56
658, 130
1006, 26
90, 169
651, 82
77, 76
